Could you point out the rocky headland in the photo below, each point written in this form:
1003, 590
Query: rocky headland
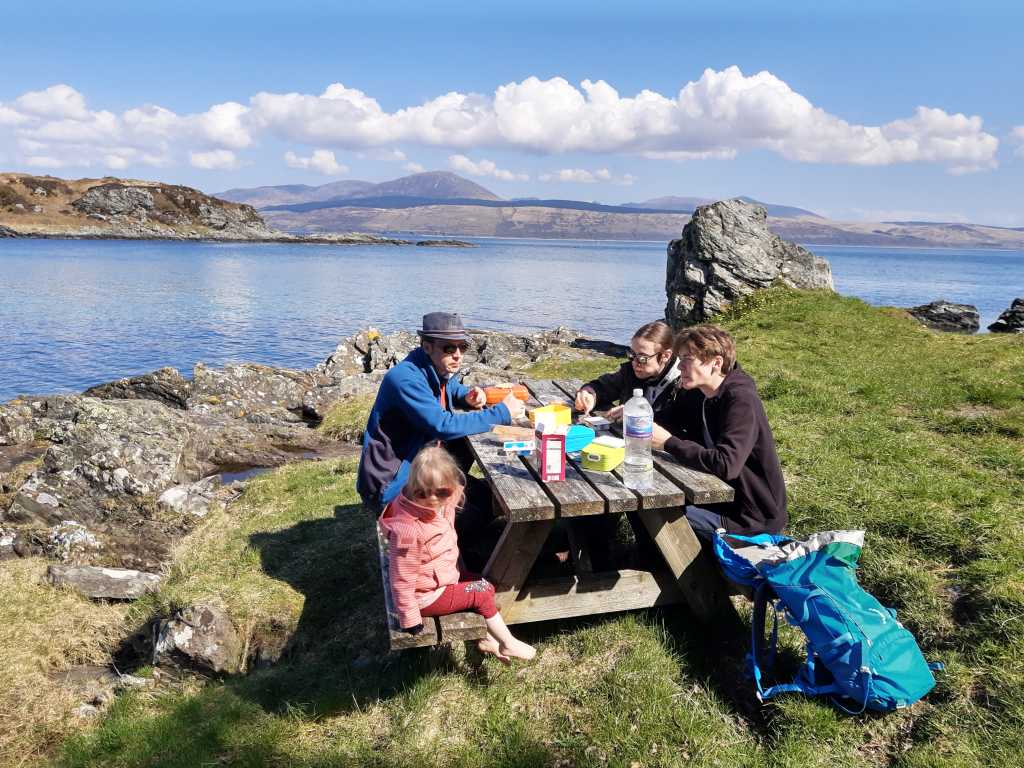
111, 208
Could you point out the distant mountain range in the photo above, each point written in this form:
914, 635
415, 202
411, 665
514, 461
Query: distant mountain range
442, 203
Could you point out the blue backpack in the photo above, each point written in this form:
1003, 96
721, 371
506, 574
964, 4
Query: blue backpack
858, 654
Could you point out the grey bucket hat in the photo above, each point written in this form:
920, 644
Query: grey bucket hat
444, 326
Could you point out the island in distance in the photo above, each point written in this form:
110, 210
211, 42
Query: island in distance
111, 208
434, 204
441, 203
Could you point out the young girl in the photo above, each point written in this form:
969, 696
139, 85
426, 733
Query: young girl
423, 555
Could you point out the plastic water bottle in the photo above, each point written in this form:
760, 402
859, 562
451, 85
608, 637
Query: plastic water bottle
638, 429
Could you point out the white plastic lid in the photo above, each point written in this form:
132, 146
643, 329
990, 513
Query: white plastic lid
638, 393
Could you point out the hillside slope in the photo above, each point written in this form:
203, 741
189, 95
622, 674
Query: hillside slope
110, 207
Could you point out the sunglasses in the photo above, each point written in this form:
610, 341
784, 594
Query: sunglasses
440, 493
642, 359
449, 349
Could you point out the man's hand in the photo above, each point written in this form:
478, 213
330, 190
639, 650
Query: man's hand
659, 436
476, 398
585, 400
515, 406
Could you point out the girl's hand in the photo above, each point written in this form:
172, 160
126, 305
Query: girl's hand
659, 436
615, 414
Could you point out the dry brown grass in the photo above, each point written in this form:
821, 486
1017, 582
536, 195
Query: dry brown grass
43, 631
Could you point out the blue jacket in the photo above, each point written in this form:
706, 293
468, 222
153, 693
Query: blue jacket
407, 415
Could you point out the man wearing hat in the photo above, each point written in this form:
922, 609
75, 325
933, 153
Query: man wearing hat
414, 406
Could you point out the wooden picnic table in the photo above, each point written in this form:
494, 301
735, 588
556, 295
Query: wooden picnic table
530, 508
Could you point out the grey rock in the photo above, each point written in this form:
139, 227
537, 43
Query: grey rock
115, 199
104, 583
71, 541
165, 385
201, 636
1011, 320
16, 423
248, 387
7, 538
192, 499
726, 252
86, 712
8, 232
942, 315
39, 192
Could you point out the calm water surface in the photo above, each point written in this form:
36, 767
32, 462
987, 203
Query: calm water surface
77, 313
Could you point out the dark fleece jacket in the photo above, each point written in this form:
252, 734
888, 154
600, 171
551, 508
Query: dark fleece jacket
743, 451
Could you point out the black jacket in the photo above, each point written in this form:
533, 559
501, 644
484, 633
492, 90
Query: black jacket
742, 453
618, 387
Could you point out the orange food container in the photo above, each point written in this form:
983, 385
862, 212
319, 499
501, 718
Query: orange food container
499, 392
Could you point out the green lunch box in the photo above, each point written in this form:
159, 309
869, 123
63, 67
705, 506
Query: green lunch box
602, 458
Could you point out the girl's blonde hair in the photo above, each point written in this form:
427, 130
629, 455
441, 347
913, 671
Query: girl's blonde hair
434, 467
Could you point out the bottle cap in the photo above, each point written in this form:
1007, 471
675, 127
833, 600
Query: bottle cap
638, 393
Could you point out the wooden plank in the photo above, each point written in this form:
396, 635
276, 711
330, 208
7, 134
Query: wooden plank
547, 392
515, 488
569, 386
456, 627
697, 575
625, 590
398, 639
514, 556
662, 492
573, 496
700, 487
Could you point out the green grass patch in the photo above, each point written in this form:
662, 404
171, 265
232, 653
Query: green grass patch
911, 435
346, 419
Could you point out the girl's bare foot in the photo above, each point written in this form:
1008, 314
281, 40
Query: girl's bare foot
518, 649
490, 645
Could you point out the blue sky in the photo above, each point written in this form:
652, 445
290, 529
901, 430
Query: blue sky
809, 104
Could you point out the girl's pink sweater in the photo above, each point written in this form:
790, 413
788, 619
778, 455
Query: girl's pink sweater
423, 555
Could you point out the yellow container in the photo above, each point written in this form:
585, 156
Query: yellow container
561, 413
602, 458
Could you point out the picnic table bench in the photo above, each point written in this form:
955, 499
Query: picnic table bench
530, 508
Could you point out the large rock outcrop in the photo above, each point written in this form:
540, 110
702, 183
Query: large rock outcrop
942, 315
123, 466
727, 252
1011, 320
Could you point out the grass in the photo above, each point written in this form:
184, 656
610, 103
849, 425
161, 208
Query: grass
345, 420
882, 425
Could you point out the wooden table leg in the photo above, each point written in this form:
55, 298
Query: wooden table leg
699, 579
514, 556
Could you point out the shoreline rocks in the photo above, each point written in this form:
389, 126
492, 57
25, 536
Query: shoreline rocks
1011, 320
943, 315
725, 252
131, 466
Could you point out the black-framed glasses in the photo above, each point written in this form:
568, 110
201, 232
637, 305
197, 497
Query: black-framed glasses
449, 349
637, 357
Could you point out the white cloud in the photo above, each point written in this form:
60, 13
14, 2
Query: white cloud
463, 164
43, 161
583, 176
57, 101
412, 167
214, 160
718, 116
322, 161
1017, 136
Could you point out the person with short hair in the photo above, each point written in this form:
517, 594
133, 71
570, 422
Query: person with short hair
718, 425
651, 367
423, 555
415, 405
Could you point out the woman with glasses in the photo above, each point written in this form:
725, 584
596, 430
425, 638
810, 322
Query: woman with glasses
651, 366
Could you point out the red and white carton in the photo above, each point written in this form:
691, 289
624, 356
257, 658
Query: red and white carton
551, 453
